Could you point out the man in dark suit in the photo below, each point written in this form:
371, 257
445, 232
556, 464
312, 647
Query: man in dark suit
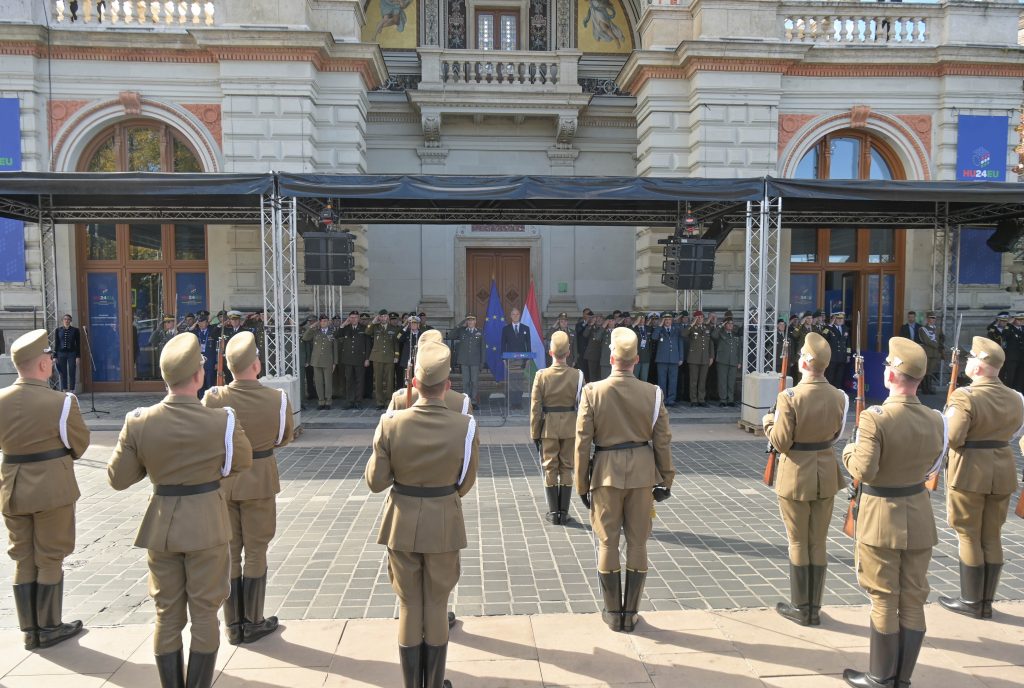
209, 337
67, 346
515, 337
909, 328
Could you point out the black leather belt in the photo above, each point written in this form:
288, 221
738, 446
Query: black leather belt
39, 456
418, 491
263, 454
558, 409
810, 446
985, 444
892, 491
624, 445
185, 490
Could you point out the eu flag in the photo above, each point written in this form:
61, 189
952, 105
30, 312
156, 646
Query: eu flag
493, 326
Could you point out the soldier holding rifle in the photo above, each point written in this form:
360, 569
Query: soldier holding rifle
896, 446
808, 419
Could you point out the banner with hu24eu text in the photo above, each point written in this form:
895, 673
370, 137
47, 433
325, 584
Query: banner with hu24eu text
981, 148
12, 232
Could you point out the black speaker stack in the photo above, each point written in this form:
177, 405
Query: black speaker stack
329, 258
689, 263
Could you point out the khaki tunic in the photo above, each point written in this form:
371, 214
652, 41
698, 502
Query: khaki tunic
698, 345
37, 499
928, 338
324, 353
384, 347
980, 481
896, 445
455, 401
561, 386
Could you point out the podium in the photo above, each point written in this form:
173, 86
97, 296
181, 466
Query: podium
508, 358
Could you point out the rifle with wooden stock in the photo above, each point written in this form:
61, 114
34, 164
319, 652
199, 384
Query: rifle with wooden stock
220, 360
932, 482
773, 455
850, 524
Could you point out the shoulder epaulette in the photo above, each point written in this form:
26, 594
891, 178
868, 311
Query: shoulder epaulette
876, 409
790, 393
137, 413
214, 391
968, 389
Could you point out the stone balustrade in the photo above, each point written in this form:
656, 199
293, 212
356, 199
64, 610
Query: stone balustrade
68, 13
859, 23
517, 71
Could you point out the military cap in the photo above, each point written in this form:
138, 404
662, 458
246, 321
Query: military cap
200, 314
32, 345
907, 357
168, 318
431, 336
241, 351
616, 313
433, 364
930, 314
1017, 316
817, 314
221, 312
364, 314
180, 359
728, 313
698, 314
625, 314
413, 319
470, 317
353, 312
623, 344
988, 352
392, 315
563, 316
683, 314
190, 315
323, 316
653, 314
1003, 315
422, 315
838, 314
806, 314
203, 316
234, 314
816, 351
382, 311
668, 314
559, 343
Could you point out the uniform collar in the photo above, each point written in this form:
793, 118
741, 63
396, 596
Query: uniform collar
34, 383
245, 384
423, 401
901, 399
180, 399
814, 381
622, 373
985, 381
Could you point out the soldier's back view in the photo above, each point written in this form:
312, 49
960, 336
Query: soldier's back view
185, 449
625, 421
266, 416
41, 432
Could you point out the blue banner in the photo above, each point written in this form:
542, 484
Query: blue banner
493, 326
104, 328
12, 232
803, 293
981, 148
979, 264
190, 288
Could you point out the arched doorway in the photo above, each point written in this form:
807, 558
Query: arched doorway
854, 269
132, 276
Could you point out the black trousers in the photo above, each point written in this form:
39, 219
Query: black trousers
67, 369
834, 374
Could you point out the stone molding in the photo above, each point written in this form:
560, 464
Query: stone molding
210, 115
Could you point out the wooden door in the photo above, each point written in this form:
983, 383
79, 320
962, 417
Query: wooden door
509, 267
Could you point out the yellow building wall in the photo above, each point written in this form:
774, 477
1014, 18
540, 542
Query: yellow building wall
603, 27
392, 23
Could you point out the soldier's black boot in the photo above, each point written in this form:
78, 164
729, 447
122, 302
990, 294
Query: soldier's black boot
256, 626
171, 668
910, 648
798, 609
434, 662
234, 614
611, 590
451, 619
411, 658
552, 496
25, 602
817, 592
564, 495
49, 603
972, 582
883, 663
200, 669
992, 572
631, 599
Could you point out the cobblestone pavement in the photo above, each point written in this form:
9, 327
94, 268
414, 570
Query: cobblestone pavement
717, 544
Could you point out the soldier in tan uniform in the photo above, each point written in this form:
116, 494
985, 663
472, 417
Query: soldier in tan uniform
982, 474
553, 405
456, 401
895, 447
185, 450
428, 455
41, 433
324, 359
266, 416
807, 421
625, 421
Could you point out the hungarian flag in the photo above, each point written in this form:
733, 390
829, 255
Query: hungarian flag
531, 318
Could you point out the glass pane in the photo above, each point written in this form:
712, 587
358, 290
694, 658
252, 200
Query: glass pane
880, 325
808, 167
101, 242
804, 245
881, 245
104, 159
844, 160
149, 333
803, 293
184, 160
508, 32
104, 330
879, 167
145, 242
485, 32
143, 150
189, 293
842, 245
189, 242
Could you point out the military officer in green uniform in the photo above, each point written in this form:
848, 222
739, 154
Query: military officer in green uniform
796, 336
930, 338
562, 325
553, 404
982, 418
806, 422
41, 433
699, 355
624, 421
383, 336
470, 351
895, 447
185, 449
728, 356
324, 358
266, 416
428, 456
597, 334
352, 353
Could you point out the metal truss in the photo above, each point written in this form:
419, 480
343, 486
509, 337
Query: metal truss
945, 278
118, 214
860, 219
761, 283
280, 285
48, 251
987, 214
